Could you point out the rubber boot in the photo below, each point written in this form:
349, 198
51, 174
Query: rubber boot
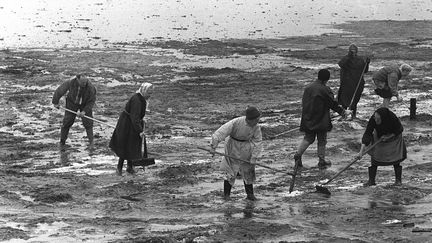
372, 173
354, 113
298, 160
398, 175
120, 167
322, 163
90, 136
249, 192
129, 168
227, 190
63, 135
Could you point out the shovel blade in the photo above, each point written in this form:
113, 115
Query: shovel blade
144, 162
322, 189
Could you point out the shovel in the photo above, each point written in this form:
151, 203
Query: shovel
145, 161
322, 189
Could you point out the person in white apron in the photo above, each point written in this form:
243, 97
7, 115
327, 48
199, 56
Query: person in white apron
391, 150
243, 140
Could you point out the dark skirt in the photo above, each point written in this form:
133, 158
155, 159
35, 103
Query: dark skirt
125, 141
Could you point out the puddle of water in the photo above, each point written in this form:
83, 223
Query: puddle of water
165, 227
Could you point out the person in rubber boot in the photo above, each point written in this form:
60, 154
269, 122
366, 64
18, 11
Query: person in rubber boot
80, 98
126, 140
243, 140
391, 150
315, 121
352, 68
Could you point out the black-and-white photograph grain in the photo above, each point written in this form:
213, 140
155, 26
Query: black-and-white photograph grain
195, 121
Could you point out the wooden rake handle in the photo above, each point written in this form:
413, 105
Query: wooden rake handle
245, 161
354, 160
91, 118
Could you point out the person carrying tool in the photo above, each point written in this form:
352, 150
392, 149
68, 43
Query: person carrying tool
243, 140
387, 79
315, 122
391, 150
351, 79
127, 138
81, 97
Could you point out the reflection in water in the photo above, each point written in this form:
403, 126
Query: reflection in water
248, 210
64, 156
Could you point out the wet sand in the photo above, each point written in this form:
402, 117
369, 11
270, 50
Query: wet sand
68, 195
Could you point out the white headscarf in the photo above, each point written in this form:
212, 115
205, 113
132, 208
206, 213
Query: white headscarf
143, 88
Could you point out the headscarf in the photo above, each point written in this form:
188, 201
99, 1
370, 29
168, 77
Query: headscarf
143, 88
353, 47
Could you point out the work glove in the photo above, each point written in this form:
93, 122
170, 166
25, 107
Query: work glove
142, 134
359, 156
399, 98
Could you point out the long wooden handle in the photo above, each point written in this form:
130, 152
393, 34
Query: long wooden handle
245, 161
358, 84
354, 160
91, 118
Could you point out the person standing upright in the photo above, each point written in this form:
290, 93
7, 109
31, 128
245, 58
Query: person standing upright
315, 122
352, 83
81, 97
128, 136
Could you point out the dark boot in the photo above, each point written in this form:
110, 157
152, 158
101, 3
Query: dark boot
227, 189
120, 166
89, 132
63, 135
129, 168
354, 113
298, 160
372, 173
398, 175
322, 163
249, 192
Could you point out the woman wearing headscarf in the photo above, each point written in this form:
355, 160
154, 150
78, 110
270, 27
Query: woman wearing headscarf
391, 150
127, 138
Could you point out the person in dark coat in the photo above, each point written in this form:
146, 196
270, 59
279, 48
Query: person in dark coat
81, 97
351, 79
391, 150
127, 138
315, 122
387, 79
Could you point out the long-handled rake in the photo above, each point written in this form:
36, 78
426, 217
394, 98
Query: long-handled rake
257, 164
322, 189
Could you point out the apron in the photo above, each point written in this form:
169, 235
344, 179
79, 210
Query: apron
390, 152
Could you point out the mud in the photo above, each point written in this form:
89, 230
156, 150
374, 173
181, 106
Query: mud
52, 194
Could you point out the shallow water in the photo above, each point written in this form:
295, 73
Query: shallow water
60, 23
